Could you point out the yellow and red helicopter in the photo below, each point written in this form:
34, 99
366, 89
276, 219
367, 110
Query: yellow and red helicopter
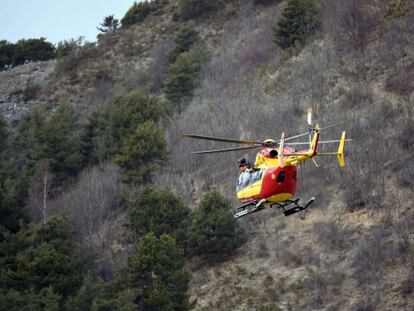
277, 166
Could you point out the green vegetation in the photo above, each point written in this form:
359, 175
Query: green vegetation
188, 9
140, 10
156, 274
159, 212
69, 55
141, 153
55, 140
25, 50
185, 39
42, 266
299, 21
184, 76
105, 130
136, 13
110, 24
127, 110
213, 232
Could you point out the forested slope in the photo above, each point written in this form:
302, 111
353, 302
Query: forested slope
104, 207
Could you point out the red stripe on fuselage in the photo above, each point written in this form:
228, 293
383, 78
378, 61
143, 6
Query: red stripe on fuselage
271, 186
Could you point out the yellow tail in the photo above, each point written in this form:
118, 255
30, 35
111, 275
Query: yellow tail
340, 154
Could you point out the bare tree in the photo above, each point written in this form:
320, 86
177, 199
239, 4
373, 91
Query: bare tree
349, 24
39, 191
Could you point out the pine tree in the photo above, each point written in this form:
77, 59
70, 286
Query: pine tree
136, 13
46, 257
141, 153
126, 111
299, 21
189, 9
61, 144
159, 212
109, 24
184, 76
156, 273
213, 232
186, 38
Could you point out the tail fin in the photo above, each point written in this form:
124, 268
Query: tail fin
314, 143
340, 154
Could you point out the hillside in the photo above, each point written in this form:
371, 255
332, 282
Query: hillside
352, 250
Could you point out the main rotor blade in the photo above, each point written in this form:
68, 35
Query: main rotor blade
313, 130
225, 140
319, 142
225, 150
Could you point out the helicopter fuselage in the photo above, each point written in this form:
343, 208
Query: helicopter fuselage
277, 184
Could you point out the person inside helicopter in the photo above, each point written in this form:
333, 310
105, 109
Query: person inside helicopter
248, 175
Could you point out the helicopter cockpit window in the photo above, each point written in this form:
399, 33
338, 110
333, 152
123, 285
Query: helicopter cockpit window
281, 177
255, 175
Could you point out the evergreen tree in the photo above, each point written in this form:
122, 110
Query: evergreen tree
299, 21
109, 24
159, 212
156, 274
6, 53
47, 257
94, 141
29, 300
189, 9
186, 37
213, 232
62, 143
12, 183
141, 152
126, 111
136, 13
184, 76
33, 50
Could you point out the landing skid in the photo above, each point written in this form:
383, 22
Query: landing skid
253, 207
295, 209
248, 208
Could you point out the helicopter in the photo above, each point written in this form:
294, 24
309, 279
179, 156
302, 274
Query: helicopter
276, 164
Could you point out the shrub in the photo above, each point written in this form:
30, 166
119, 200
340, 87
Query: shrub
370, 257
213, 232
407, 286
299, 21
33, 50
159, 212
6, 53
25, 50
68, 55
188, 9
330, 234
31, 92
